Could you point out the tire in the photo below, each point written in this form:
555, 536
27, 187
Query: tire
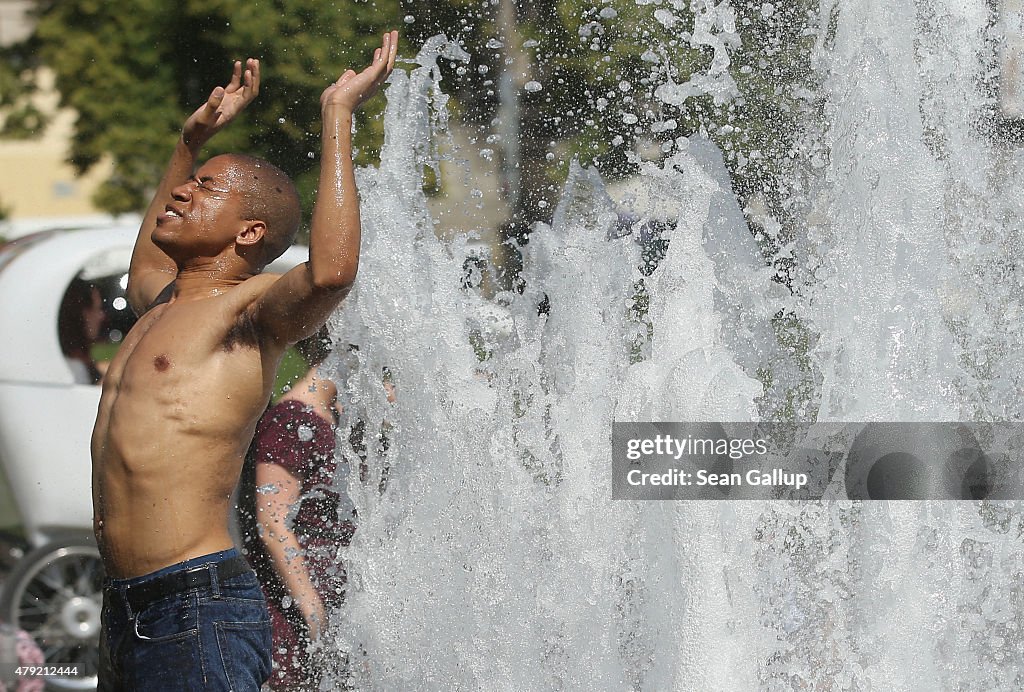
55, 594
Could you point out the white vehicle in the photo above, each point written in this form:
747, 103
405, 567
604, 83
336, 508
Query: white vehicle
47, 408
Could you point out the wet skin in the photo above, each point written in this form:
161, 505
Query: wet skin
180, 402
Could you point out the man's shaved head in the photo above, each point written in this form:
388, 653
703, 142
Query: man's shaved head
268, 195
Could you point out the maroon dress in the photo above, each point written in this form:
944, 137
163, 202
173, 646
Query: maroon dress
295, 438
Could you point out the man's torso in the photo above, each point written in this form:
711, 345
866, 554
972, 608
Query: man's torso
179, 405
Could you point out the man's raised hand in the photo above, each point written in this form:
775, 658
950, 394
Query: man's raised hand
224, 104
353, 89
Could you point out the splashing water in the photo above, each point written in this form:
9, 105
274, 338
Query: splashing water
495, 558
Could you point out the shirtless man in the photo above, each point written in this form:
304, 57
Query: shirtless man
181, 399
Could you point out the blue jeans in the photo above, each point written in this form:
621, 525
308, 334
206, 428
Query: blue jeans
216, 637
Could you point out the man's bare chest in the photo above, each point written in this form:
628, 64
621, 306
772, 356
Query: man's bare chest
175, 340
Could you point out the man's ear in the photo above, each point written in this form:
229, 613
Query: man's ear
251, 233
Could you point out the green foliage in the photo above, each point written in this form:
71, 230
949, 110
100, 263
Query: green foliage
799, 401
104, 351
590, 59
133, 73
24, 122
19, 117
755, 129
293, 366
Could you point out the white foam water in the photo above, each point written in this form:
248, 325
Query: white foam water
495, 558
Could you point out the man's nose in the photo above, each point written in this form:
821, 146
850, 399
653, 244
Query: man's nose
182, 193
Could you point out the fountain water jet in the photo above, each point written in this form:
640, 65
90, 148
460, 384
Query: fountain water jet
495, 558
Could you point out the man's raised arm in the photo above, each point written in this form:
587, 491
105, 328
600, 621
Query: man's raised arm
151, 270
298, 303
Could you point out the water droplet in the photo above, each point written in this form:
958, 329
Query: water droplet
533, 86
305, 433
286, 602
281, 121
409, 19
549, 156
310, 155
665, 18
608, 13
494, 44
487, 154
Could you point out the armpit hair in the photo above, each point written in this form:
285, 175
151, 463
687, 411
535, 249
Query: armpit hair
242, 333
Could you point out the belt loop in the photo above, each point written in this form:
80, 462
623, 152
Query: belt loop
122, 595
115, 599
214, 581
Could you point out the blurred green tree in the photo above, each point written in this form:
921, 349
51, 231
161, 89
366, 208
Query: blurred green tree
133, 72
21, 119
581, 78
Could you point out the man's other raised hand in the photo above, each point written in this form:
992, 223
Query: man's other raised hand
354, 88
224, 104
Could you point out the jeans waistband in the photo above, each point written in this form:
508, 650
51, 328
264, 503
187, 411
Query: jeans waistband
200, 572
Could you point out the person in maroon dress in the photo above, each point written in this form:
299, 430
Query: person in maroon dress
294, 520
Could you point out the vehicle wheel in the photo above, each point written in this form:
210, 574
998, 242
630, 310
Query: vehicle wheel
55, 594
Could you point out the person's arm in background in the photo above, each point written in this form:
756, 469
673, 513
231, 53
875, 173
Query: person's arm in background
272, 510
151, 270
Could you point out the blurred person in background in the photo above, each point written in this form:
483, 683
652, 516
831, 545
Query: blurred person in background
296, 514
18, 649
79, 324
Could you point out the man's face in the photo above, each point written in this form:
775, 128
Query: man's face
204, 214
